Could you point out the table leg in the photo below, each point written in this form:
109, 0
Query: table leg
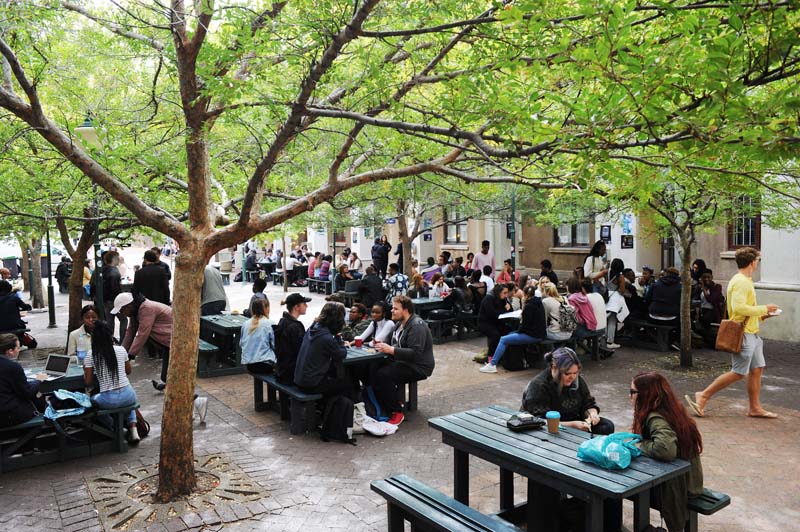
506, 489
542, 511
395, 518
461, 476
594, 514
641, 511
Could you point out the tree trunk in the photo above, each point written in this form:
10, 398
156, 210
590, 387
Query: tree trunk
78, 256
405, 239
23, 272
684, 242
37, 295
176, 462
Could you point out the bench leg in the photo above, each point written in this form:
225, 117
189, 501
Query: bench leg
395, 518
691, 523
272, 395
310, 415
506, 489
461, 476
258, 396
595, 343
412, 396
662, 339
285, 404
297, 420
641, 511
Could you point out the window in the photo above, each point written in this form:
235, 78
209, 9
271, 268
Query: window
573, 235
745, 230
455, 230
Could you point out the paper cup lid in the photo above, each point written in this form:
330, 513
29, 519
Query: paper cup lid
553, 414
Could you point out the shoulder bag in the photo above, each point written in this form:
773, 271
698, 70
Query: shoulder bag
730, 336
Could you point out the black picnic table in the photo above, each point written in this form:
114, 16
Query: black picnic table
550, 463
223, 330
424, 305
72, 381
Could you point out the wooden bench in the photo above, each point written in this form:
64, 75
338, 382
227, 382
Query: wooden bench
84, 437
293, 404
647, 335
710, 502
468, 325
319, 286
411, 404
277, 278
425, 508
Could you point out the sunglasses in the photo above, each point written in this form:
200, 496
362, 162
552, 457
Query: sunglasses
633, 392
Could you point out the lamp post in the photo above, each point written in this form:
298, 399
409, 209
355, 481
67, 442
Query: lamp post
513, 232
51, 296
88, 134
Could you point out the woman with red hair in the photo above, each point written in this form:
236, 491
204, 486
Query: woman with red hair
668, 432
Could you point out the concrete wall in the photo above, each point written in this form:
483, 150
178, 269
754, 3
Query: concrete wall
780, 282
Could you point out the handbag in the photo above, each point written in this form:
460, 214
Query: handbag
142, 426
730, 336
522, 421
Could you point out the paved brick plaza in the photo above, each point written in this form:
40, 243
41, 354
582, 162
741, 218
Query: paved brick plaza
311, 485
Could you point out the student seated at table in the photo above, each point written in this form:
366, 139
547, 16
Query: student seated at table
552, 302
668, 432
342, 276
354, 265
20, 399
379, 328
710, 307
259, 285
289, 335
489, 322
664, 299
325, 268
80, 339
477, 289
410, 358
532, 329
321, 350
486, 277
10, 305
560, 387
458, 298
418, 288
438, 286
505, 275
110, 364
257, 340
357, 322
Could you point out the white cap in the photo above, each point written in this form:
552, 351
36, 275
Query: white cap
120, 301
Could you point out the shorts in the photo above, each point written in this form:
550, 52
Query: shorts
751, 355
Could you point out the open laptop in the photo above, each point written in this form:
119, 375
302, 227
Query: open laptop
57, 366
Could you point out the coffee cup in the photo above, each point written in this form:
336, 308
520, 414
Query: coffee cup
553, 418
359, 342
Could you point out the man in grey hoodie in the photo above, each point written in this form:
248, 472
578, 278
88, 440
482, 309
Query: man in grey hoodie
410, 357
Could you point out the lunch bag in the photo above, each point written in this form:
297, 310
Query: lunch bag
610, 452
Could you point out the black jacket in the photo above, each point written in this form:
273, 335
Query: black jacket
10, 305
664, 298
16, 393
152, 282
289, 334
63, 271
490, 309
542, 395
371, 290
414, 346
112, 281
534, 322
380, 254
319, 350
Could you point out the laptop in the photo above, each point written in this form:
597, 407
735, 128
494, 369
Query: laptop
352, 286
57, 366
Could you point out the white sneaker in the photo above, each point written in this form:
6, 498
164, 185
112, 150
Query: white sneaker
613, 346
488, 368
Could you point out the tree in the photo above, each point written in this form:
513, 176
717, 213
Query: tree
286, 105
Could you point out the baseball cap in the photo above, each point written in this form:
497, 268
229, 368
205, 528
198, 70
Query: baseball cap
120, 301
292, 300
648, 268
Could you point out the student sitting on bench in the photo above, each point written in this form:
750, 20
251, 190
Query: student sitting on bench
19, 398
257, 339
111, 365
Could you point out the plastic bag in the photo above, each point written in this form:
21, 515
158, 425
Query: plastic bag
610, 452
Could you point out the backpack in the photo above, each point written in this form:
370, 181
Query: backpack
337, 420
567, 318
514, 358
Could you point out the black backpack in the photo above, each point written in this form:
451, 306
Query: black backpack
337, 418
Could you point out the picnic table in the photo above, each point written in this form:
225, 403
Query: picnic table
72, 381
359, 355
424, 305
550, 463
223, 330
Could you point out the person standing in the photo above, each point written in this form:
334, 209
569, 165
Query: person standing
749, 362
161, 264
410, 357
380, 256
152, 281
595, 268
112, 286
482, 259
63, 272
213, 299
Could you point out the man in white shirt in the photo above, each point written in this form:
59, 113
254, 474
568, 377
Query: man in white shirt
485, 278
484, 258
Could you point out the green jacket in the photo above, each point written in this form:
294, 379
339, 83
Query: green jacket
660, 442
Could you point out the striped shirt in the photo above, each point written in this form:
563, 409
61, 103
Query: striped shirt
104, 379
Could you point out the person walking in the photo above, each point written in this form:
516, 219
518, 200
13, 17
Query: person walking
749, 362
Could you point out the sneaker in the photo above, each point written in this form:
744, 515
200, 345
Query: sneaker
488, 368
613, 346
133, 435
676, 347
158, 385
396, 418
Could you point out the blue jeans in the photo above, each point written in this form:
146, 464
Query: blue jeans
116, 398
514, 338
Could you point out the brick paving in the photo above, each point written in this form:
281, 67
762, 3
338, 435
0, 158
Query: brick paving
312, 485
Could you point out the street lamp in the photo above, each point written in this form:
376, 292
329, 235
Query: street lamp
88, 134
